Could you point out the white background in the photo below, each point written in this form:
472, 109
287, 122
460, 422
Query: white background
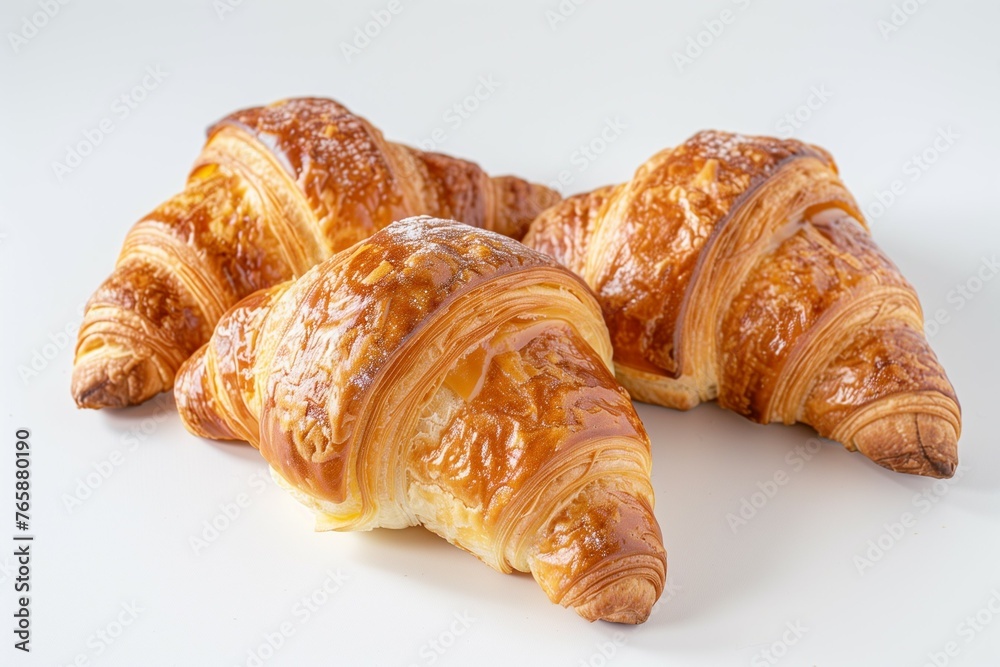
734, 591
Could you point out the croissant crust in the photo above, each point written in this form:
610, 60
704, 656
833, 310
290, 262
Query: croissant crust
741, 269
276, 190
439, 375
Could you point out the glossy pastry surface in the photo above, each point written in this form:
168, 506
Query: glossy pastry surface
276, 190
740, 269
440, 375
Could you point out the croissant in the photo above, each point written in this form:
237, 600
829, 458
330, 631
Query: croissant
444, 376
276, 190
741, 269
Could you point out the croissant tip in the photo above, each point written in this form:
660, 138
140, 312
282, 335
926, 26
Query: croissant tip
628, 601
521, 202
545, 197
916, 444
111, 383
925, 468
945, 469
94, 396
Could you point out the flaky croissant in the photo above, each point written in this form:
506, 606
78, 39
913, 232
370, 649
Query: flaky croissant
740, 268
276, 190
441, 375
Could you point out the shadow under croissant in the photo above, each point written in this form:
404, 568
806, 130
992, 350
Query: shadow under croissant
416, 553
717, 564
430, 560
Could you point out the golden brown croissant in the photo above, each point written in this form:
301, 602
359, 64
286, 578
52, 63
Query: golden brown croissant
276, 190
441, 375
740, 268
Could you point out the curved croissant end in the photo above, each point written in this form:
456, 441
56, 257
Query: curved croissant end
443, 376
276, 190
740, 268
